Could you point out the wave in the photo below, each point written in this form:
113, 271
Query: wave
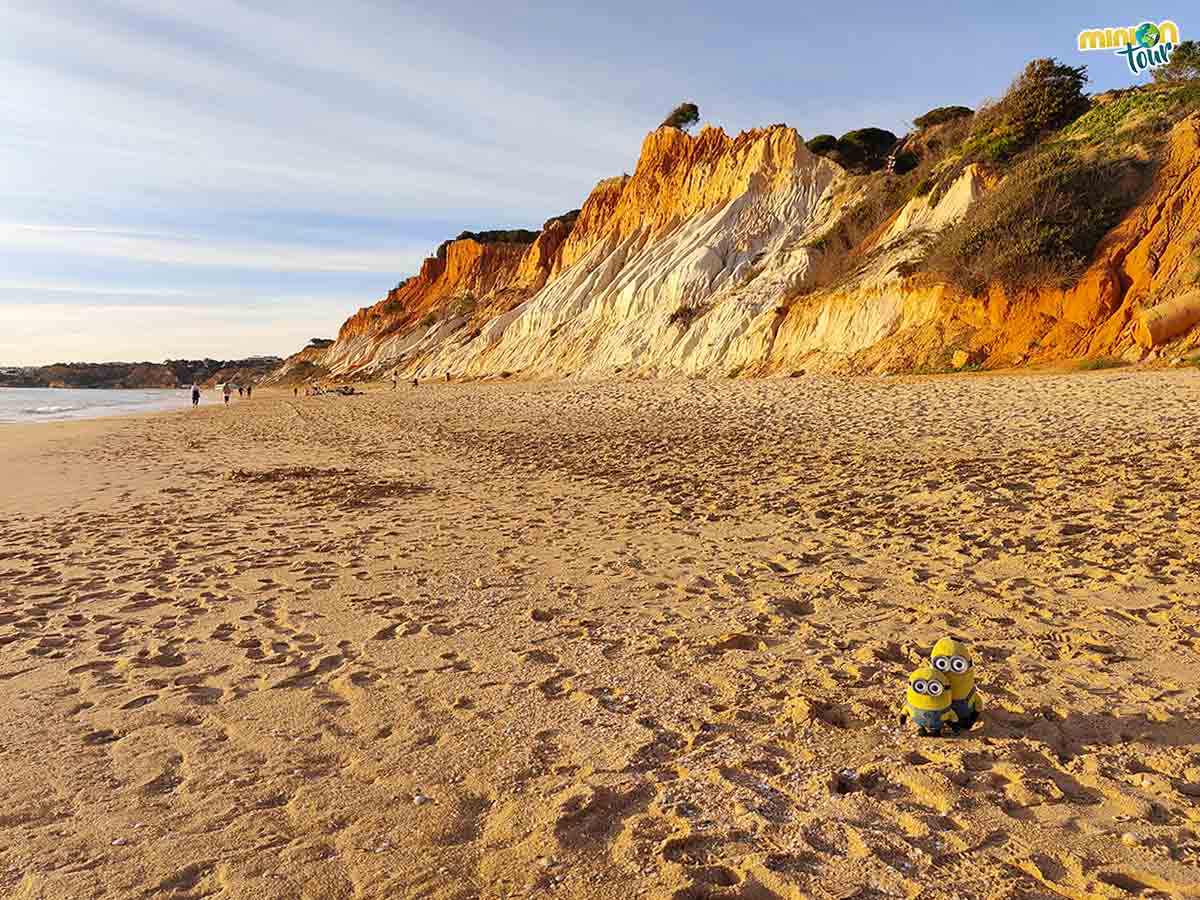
48, 410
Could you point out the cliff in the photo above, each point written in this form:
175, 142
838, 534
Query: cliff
752, 255
169, 374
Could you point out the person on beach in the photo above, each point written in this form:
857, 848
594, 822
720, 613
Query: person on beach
295, 391
195, 394
228, 391
249, 390
240, 390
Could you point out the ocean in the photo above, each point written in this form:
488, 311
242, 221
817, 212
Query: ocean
55, 404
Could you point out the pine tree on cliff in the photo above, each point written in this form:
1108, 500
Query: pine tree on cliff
1184, 64
683, 117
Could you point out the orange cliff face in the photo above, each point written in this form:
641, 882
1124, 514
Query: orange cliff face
679, 176
720, 202
461, 269
496, 276
1149, 257
706, 261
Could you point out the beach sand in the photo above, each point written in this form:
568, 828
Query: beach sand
606, 640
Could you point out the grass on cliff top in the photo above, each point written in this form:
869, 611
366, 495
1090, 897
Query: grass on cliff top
1059, 197
1142, 115
880, 196
1069, 168
1040, 227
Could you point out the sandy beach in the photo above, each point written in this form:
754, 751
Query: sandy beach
606, 640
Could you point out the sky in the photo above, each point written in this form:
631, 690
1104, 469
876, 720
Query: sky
227, 179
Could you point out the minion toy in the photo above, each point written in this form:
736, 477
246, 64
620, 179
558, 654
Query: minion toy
952, 661
927, 702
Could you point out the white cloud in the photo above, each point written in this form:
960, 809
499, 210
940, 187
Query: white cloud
225, 141
119, 244
280, 110
28, 287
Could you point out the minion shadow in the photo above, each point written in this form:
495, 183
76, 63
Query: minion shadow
1069, 735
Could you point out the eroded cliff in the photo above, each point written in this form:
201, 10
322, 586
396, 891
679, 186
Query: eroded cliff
751, 255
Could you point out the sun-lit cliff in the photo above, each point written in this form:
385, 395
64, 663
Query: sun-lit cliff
753, 255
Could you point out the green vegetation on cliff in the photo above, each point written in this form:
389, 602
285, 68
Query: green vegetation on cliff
683, 117
1063, 168
942, 114
1044, 97
1039, 227
1183, 66
1057, 197
861, 150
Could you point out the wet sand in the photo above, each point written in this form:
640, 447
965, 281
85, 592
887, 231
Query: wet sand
605, 640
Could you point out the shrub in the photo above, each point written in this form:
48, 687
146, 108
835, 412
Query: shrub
465, 305
1046, 96
1184, 64
1100, 363
864, 148
822, 144
687, 313
940, 114
429, 320
906, 162
1038, 227
500, 236
871, 142
683, 117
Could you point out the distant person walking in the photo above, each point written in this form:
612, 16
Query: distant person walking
228, 391
240, 390
249, 390
195, 394
296, 391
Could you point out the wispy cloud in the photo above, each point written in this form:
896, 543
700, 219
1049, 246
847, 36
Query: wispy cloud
25, 287
183, 251
253, 152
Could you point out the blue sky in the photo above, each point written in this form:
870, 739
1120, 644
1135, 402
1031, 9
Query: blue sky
224, 179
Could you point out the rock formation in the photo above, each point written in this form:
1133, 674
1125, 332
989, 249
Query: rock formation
741, 255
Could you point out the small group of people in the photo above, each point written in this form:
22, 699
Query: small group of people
226, 390
245, 391
316, 389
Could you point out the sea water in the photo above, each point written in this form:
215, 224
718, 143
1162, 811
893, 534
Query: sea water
53, 404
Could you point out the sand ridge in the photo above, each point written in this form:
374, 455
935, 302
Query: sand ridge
606, 640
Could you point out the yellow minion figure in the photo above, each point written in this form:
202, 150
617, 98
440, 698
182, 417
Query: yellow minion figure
952, 661
927, 702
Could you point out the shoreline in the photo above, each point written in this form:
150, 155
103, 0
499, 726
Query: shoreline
384, 386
